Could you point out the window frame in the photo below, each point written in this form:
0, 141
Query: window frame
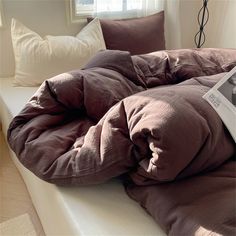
74, 17
2, 18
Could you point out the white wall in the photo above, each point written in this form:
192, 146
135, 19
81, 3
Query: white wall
188, 17
49, 17
221, 28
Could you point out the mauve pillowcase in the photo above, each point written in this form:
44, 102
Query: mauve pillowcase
137, 35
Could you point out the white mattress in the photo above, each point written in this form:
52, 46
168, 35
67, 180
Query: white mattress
104, 209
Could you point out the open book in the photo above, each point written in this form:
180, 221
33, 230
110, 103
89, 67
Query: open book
222, 97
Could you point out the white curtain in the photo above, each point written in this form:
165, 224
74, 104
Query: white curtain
173, 29
126, 8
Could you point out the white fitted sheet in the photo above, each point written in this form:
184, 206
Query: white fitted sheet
104, 209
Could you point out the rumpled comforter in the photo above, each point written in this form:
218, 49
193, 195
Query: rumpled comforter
140, 117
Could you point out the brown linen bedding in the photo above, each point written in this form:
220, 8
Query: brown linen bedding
116, 117
200, 205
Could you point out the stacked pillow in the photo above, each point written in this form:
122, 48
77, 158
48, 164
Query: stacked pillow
37, 58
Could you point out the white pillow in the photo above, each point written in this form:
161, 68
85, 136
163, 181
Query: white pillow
37, 58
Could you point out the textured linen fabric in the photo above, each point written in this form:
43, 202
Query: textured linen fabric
84, 126
141, 118
201, 205
137, 35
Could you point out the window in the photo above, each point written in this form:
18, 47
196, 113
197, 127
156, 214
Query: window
84, 7
1, 15
114, 8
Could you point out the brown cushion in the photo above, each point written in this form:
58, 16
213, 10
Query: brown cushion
137, 35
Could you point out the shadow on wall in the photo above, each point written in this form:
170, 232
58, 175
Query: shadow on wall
221, 28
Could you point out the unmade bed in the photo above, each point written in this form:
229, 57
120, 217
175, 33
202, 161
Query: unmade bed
141, 120
103, 209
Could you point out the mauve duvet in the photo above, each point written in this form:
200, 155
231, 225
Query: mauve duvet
142, 117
